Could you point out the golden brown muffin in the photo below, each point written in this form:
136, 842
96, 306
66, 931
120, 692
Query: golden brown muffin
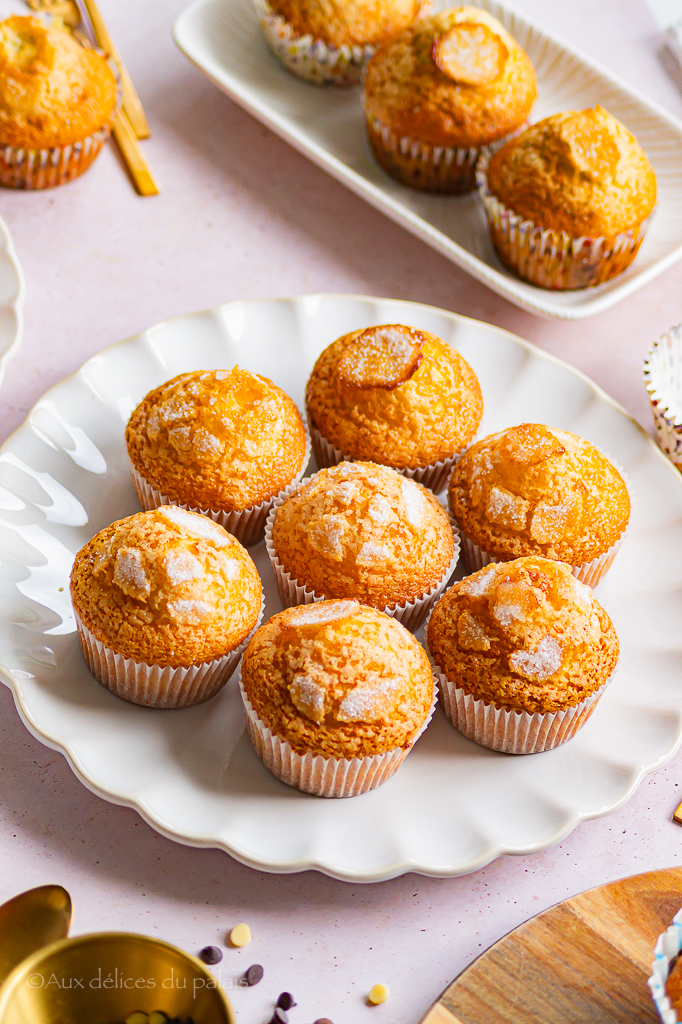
220, 439
363, 531
535, 490
338, 679
525, 636
166, 587
53, 91
348, 22
394, 395
453, 81
674, 985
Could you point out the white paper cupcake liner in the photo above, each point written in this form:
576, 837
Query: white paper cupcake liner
663, 382
510, 732
551, 259
156, 686
248, 525
308, 58
411, 614
47, 168
435, 476
475, 557
325, 776
668, 948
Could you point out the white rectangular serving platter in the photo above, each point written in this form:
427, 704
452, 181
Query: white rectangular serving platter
223, 38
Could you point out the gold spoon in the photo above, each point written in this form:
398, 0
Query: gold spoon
30, 921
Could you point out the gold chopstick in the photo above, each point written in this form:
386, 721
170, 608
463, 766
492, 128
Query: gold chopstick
677, 816
126, 140
131, 101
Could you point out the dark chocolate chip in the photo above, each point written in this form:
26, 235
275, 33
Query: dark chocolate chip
286, 1001
323, 1020
211, 955
254, 974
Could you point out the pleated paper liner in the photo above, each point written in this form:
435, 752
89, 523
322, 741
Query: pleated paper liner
663, 381
157, 686
504, 730
247, 525
325, 776
411, 614
47, 168
308, 58
435, 476
668, 949
551, 259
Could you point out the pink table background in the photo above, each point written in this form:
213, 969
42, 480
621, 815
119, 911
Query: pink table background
241, 215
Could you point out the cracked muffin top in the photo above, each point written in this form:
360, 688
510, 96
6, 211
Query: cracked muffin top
339, 679
524, 635
167, 587
394, 395
53, 90
218, 439
534, 490
363, 531
454, 79
581, 172
348, 22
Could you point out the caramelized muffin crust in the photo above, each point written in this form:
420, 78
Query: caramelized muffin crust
455, 79
581, 172
394, 395
535, 490
219, 439
167, 587
524, 635
348, 22
362, 531
338, 679
53, 91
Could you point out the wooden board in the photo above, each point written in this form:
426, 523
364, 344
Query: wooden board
585, 961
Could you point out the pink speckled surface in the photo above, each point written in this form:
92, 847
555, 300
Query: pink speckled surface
242, 215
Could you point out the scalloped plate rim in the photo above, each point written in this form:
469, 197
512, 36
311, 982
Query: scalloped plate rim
17, 304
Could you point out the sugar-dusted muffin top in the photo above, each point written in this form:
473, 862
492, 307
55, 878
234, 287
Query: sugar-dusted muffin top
364, 531
167, 587
53, 91
348, 22
581, 172
394, 395
456, 78
218, 439
534, 490
524, 635
338, 679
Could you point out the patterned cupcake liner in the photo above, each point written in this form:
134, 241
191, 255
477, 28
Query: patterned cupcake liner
247, 525
308, 58
554, 259
325, 776
292, 592
663, 382
504, 730
435, 476
668, 949
47, 168
157, 686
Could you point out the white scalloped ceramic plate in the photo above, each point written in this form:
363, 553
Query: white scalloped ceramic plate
223, 38
192, 774
11, 299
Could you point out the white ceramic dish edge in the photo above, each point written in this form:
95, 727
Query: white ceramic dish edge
16, 304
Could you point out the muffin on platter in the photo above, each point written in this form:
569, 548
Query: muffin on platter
57, 103
336, 695
450, 85
329, 42
568, 201
220, 442
522, 652
362, 531
394, 395
164, 603
535, 490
